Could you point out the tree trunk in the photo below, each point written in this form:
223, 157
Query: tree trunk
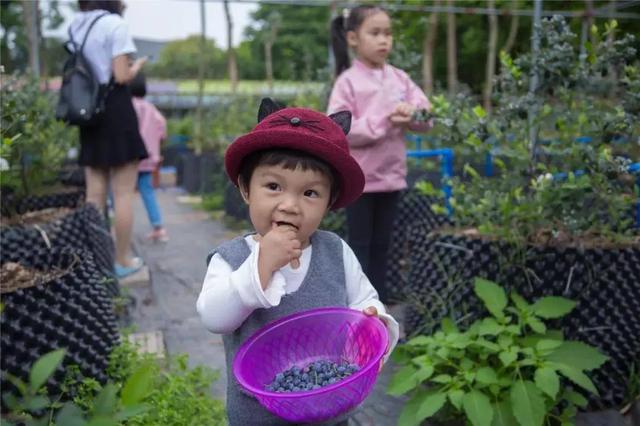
513, 28
32, 24
428, 46
199, 124
491, 57
452, 54
268, 65
232, 65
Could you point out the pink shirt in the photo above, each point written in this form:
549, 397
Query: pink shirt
153, 128
377, 145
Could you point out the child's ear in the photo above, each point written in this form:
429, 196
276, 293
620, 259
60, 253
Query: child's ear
244, 191
352, 39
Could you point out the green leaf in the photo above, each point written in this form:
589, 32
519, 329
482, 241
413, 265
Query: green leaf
502, 415
431, 404
548, 381
575, 398
70, 415
44, 367
102, 421
489, 326
577, 377
448, 326
553, 307
38, 402
546, 345
419, 341
520, 302
105, 402
492, 295
455, 396
131, 411
536, 325
507, 358
479, 111
527, 403
442, 378
137, 386
478, 408
578, 355
402, 382
486, 375
408, 416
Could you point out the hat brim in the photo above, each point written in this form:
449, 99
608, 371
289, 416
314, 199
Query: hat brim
351, 178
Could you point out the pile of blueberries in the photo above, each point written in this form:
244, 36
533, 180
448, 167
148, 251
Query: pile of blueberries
316, 375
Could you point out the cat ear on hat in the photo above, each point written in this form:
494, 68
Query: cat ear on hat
267, 106
342, 119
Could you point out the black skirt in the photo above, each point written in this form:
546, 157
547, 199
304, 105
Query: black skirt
115, 140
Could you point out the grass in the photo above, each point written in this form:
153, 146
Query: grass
249, 87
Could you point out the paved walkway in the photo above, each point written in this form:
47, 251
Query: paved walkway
168, 303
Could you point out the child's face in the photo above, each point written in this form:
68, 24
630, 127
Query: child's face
373, 40
282, 197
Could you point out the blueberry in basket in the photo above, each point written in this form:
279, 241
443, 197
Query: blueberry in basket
313, 376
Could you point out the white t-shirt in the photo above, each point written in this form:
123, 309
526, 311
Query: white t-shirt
108, 38
228, 297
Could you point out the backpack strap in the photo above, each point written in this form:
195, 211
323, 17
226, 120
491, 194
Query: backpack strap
73, 42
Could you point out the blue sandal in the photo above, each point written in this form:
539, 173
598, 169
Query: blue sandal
125, 271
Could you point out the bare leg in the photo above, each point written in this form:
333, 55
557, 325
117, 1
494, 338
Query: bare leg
97, 180
124, 179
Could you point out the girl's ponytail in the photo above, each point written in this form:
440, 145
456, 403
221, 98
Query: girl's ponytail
339, 44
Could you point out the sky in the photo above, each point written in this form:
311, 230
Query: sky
164, 20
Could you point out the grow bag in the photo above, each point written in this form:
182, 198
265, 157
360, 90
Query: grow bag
605, 283
12, 205
68, 307
84, 228
414, 214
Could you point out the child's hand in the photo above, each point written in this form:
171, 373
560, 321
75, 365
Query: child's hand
278, 247
402, 114
372, 311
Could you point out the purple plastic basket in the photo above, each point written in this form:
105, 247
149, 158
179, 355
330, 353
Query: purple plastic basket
335, 334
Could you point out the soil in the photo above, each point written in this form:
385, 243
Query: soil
36, 217
14, 276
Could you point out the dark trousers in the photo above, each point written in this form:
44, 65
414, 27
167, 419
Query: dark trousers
369, 223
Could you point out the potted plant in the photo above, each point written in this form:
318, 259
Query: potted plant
558, 217
508, 368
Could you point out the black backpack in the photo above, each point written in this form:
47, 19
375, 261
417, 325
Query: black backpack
81, 100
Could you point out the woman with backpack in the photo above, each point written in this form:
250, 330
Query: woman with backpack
111, 148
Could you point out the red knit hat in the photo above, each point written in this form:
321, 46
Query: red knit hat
307, 131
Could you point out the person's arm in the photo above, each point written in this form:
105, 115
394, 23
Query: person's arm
228, 297
361, 295
365, 130
121, 46
123, 71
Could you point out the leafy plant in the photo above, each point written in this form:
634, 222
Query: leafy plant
34, 143
111, 405
505, 369
561, 152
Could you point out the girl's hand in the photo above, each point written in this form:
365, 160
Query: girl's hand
404, 109
373, 311
278, 247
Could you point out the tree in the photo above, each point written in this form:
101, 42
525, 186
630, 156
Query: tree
180, 59
491, 57
232, 65
269, 38
428, 47
452, 52
300, 51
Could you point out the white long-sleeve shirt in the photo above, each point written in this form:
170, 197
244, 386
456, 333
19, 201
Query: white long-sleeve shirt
228, 297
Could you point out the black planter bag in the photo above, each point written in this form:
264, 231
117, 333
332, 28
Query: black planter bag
69, 310
605, 283
12, 205
84, 229
414, 213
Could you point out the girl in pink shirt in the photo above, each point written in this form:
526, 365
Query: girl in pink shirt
153, 128
382, 100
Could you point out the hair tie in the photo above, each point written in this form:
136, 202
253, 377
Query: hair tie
345, 16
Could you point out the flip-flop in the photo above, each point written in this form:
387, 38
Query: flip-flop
125, 271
